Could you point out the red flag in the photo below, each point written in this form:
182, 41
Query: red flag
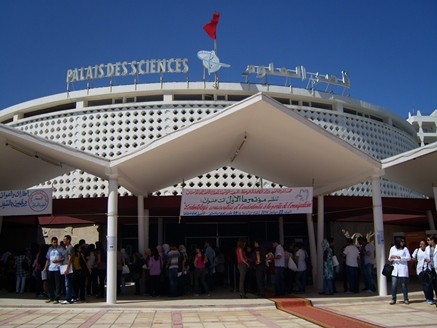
211, 27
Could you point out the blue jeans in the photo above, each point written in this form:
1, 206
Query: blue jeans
368, 276
428, 292
394, 287
328, 286
69, 290
279, 281
173, 282
301, 280
352, 278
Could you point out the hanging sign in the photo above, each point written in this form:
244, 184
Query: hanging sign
213, 202
25, 202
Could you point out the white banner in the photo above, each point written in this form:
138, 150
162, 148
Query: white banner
25, 202
211, 202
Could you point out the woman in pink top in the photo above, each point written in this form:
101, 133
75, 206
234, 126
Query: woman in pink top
200, 271
155, 269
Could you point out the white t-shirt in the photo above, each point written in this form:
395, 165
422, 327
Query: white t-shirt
420, 257
279, 250
352, 255
301, 263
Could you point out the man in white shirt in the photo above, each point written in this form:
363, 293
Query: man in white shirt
279, 269
352, 255
300, 257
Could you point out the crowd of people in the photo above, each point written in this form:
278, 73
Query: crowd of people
77, 272
425, 262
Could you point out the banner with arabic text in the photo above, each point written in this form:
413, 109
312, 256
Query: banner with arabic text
25, 202
214, 202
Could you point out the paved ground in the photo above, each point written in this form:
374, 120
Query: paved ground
222, 309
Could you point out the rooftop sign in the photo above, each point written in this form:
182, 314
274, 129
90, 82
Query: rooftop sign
299, 73
134, 68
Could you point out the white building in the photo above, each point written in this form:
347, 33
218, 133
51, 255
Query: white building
425, 125
111, 121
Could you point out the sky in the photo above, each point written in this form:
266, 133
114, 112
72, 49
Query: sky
388, 47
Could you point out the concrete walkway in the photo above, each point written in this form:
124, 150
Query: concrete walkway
221, 309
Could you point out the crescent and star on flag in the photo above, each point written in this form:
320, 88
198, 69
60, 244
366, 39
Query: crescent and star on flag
210, 59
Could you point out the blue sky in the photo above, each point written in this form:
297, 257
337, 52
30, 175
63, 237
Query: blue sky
388, 47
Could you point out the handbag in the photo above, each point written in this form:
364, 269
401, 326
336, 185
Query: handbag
291, 264
388, 269
335, 261
426, 276
125, 269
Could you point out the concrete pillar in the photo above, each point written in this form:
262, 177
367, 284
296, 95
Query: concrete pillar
281, 230
160, 231
312, 244
434, 189
430, 220
379, 236
111, 268
320, 236
146, 228
140, 219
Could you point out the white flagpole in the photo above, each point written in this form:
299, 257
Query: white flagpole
216, 82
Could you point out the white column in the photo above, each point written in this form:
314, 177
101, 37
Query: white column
146, 228
378, 224
140, 219
434, 189
320, 233
312, 243
281, 230
430, 220
160, 231
111, 268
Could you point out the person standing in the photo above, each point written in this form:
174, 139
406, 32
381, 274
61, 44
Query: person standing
242, 265
399, 256
279, 269
260, 268
70, 295
200, 261
369, 263
101, 267
21, 271
210, 265
421, 257
155, 270
328, 269
173, 269
352, 255
431, 250
54, 259
79, 273
301, 273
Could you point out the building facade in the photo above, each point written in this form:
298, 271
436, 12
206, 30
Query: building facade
111, 121
425, 125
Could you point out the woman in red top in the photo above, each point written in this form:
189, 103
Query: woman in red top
242, 265
200, 271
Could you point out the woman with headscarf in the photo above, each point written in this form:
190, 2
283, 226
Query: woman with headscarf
399, 256
328, 269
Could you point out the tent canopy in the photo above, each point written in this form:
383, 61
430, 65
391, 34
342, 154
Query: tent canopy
415, 169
